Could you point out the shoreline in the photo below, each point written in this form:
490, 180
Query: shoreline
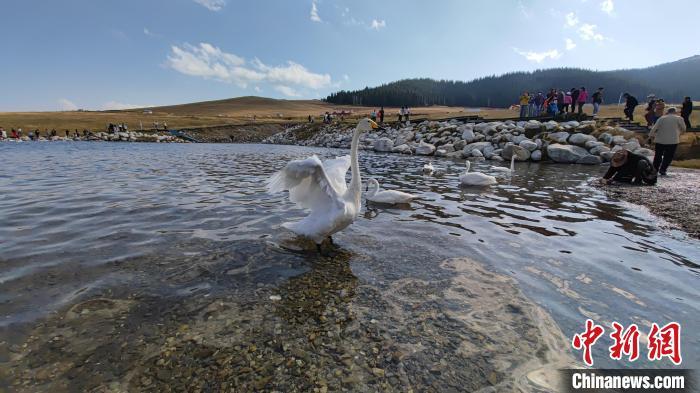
674, 198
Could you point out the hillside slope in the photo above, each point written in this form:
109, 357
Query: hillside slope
671, 81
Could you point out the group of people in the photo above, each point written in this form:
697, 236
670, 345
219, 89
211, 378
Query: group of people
121, 127
656, 108
557, 102
629, 167
34, 135
377, 115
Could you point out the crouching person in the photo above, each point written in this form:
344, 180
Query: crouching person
627, 167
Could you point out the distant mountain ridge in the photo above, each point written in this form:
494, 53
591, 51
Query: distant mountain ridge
671, 81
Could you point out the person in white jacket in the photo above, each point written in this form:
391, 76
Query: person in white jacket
666, 134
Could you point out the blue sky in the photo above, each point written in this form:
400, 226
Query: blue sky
109, 54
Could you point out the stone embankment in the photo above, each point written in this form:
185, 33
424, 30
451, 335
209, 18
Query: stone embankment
586, 142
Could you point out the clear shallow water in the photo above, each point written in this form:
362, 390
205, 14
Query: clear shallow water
168, 226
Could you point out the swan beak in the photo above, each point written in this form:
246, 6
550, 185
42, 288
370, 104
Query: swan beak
375, 126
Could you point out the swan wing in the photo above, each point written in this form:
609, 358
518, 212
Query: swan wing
308, 183
336, 170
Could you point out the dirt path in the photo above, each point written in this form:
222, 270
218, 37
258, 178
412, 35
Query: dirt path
675, 198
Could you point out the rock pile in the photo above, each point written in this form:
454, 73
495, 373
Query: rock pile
571, 142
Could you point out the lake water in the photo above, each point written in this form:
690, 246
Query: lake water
131, 266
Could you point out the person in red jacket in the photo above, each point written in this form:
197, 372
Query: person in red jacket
581, 100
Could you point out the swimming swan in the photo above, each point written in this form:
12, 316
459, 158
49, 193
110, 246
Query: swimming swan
475, 178
428, 168
320, 187
392, 197
504, 169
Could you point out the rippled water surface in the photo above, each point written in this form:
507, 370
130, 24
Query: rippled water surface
167, 248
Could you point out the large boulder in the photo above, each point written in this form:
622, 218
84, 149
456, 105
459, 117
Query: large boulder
606, 155
591, 144
599, 149
606, 138
521, 153
529, 145
404, 137
403, 149
468, 135
589, 160
632, 145
383, 145
567, 154
425, 149
579, 139
559, 137
618, 140
536, 155
459, 145
519, 138
477, 153
467, 151
488, 151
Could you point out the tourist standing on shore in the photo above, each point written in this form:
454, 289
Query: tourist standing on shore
381, 115
372, 115
400, 114
560, 100
666, 134
630, 103
567, 103
532, 107
581, 101
539, 103
574, 98
597, 99
3, 133
649, 111
524, 102
659, 109
686, 110
407, 114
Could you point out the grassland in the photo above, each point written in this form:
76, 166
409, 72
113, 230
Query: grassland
238, 114
236, 111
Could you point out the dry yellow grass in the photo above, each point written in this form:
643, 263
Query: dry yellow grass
234, 111
243, 110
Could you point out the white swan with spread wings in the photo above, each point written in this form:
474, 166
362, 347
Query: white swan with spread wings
320, 187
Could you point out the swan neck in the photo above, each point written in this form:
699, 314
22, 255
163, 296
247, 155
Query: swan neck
356, 180
512, 163
468, 165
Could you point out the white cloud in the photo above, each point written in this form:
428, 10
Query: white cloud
67, 105
314, 12
570, 44
589, 32
293, 73
607, 6
286, 90
257, 89
210, 62
571, 19
539, 57
377, 24
346, 77
212, 5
